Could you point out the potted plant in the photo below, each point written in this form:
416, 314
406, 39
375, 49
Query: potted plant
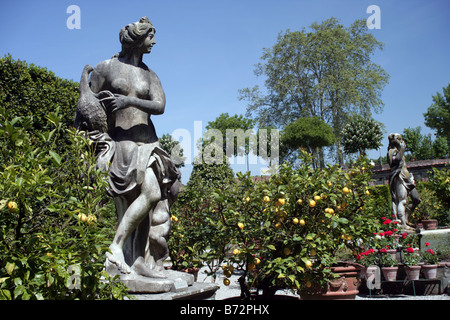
368, 260
411, 261
389, 265
430, 260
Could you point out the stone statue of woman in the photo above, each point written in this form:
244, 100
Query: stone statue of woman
115, 106
401, 181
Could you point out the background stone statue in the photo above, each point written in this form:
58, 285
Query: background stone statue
401, 181
115, 106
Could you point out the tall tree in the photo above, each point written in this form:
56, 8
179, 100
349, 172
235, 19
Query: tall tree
421, 147
326, 72
438, 114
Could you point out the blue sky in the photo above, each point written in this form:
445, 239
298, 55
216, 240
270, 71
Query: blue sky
206, 49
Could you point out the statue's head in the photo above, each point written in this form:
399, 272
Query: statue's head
395, 140
137, 35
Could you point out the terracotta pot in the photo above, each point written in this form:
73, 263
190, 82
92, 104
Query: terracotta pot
390, 273
345, 287
413, 272
430, 271
429, 224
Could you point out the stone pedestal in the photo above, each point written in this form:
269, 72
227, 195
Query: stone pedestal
175, 285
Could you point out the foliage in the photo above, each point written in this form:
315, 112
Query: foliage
439, 182
361, 134
195, 236
438, 114
385, 259
325, 72
56, 221
430, 206
32, 91
310, 133
285, 231
173, 148
420, 147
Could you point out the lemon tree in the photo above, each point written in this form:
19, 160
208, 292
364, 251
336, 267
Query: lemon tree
295, 223
56, 222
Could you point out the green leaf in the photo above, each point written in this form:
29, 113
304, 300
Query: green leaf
3, 279
271, 247
5, 295
10, 267
55, 156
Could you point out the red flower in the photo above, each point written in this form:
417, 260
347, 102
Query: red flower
395, 230
430, 251
427, 244
381, 234
404, 235
388, 233
410, 250
387, 221
383, 250
382, 218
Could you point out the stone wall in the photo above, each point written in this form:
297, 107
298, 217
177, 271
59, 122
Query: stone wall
419, 169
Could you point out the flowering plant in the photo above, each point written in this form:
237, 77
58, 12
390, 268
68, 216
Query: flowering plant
367, 258
385, 259
388, 239
429, 256
410, 258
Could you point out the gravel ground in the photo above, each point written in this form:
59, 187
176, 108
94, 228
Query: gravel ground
233, 290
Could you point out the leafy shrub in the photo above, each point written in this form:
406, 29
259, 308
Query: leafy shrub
56, 221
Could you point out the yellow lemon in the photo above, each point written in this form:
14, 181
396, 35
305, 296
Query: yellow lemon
278, 225
299, 201
295, 221
302, 222
247, 199
312, 203
226, 282
227, 273
308, 284
12, 206
308, 264
251, 266
281, 201
257, 261
266, 199
367, 192
317, 198
345, 190
241, 225
236, 251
